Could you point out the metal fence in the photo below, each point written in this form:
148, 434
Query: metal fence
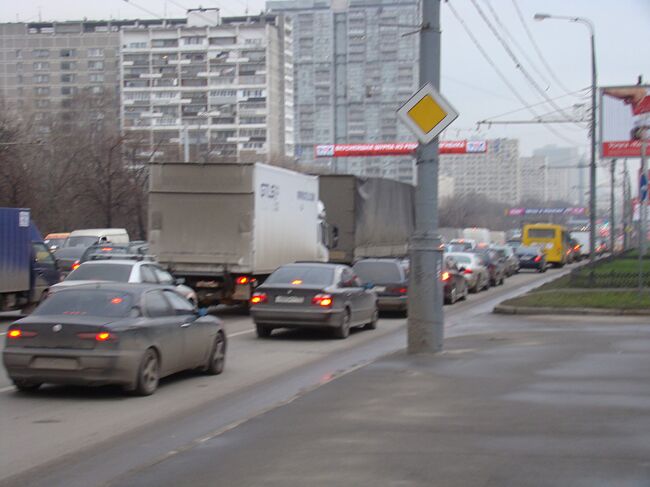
589, 277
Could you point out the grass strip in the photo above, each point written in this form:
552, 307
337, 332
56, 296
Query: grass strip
583, 299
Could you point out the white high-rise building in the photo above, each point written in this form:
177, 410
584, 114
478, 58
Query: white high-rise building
353, 69
219, 88
534, 181
564, 182
494, 173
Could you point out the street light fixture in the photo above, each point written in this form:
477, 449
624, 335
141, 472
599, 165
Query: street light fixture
592, 165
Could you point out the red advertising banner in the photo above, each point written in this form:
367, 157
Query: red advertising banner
624, 148
398, 148
624, 120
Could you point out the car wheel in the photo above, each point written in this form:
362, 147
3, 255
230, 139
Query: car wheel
217, 359
24, 385
148, 374
372, 325
453, 295
263, 331
343, 330
465, 293
503, 279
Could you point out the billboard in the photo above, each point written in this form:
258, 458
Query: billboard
398, 148
573, 211
624, 120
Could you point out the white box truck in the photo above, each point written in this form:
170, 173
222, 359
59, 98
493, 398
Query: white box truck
224, 228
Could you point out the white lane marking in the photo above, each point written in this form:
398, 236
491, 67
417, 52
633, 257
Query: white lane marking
6, 389
240, 333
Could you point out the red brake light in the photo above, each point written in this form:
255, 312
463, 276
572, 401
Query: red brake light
445, 276
107, 249
538, 258
467, 271
243, 280
324, 300
75, 265
403, 290
577, 247
258, 298
102, 336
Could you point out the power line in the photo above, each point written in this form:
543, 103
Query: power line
499, 73
538, 50
517, 45
514, 58
143, 9
510, 112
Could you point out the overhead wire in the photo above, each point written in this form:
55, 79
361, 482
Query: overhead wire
517, 45
514, 58
143, 9
538, 50
503, 77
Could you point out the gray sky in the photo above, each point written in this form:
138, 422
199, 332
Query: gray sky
468, 80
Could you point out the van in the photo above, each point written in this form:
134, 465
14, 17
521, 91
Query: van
79, 240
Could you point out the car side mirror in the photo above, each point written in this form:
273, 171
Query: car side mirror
202, 312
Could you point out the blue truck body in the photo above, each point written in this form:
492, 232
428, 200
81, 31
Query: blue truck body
27, 268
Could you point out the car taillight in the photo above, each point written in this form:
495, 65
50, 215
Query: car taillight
18, 333
467, 271
577, 247
324, 300
445, 276
243, 280
258, 298
76, 265
538, 258
102, 336
403, 290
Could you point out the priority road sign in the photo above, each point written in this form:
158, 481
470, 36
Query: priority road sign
427, 113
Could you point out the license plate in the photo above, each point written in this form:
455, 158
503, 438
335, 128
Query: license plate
54, 363
379, 289
289, 299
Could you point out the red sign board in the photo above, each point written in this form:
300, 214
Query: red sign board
624, 148
398, 148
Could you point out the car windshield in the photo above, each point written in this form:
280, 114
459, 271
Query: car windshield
87, 302
80, 241
101, 272
302, 274
527, 251
458, 247
462, 259
369, 271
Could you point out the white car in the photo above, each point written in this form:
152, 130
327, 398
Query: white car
123, 270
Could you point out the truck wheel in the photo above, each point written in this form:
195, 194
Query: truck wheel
343, 330
263, 331
24, 385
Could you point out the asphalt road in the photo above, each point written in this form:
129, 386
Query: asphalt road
90, 436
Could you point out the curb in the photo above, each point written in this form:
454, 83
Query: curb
530, 310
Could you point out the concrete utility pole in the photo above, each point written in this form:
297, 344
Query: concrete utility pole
426, 320
612, 219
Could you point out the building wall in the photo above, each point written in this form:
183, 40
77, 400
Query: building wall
564, 183
494, 174
221, 85
534, 182
353, 69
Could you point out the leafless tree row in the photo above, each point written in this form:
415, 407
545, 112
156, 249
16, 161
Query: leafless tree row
74, 170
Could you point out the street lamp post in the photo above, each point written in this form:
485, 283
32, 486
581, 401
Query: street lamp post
592, 165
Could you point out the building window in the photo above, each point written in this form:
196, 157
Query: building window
67, 78
68, 90
41, 66
41, 78
193, 41
40, 53
96, 78
96, 52
41, 91
42, 103
19, 54
67, 53
139, 45
96, 65
163, 43
68, 65
97, 90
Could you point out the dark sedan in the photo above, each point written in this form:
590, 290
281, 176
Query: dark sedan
495, 265
126, 334
531, 257
311, 296
388, 279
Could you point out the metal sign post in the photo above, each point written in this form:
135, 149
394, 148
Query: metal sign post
643, 211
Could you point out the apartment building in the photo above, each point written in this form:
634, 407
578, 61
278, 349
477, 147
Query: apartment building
494, 173
566, 182
353, 68
212, 89
46, 67
534, 182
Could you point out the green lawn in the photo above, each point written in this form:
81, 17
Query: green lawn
584, 299
620, 265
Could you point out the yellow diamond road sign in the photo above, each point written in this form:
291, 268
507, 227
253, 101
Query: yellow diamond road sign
427, 113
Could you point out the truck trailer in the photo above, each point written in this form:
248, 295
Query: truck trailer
224, 227
372, 217
27, 268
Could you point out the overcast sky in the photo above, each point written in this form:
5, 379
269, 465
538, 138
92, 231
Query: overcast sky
468, 80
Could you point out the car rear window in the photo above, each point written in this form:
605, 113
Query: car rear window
309, 275
378, 271
104, 250
84, 241
541, 233
87, 302
462, 259
527, 251
101, 272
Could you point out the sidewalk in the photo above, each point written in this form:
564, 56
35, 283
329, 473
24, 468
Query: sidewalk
538, 401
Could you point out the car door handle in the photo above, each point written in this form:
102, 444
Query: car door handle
185, 325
